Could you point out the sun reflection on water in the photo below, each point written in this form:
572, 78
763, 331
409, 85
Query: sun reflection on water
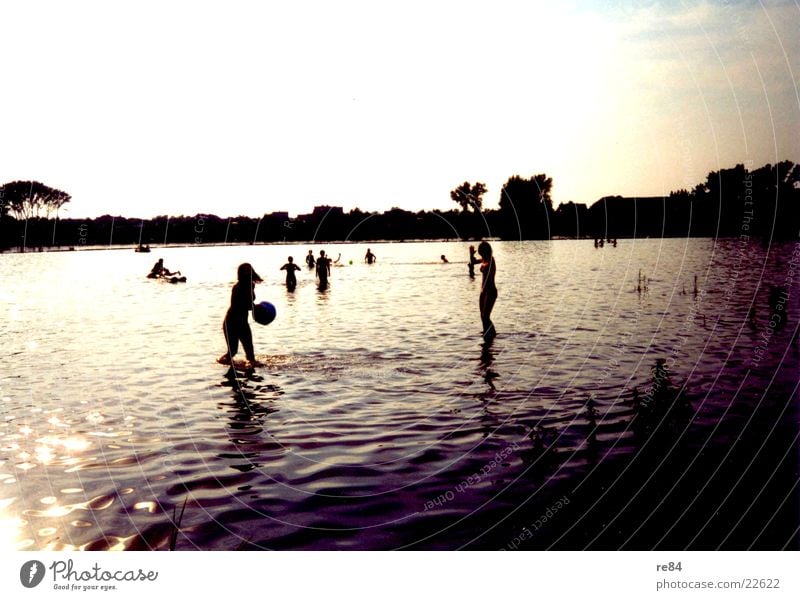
149, 506
48, 450
10, 526
73, 443
44, 454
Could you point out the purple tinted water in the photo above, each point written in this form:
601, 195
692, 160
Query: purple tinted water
381, 421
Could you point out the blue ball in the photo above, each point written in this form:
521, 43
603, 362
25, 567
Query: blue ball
264, 313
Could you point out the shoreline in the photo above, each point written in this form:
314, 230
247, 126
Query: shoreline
95, 248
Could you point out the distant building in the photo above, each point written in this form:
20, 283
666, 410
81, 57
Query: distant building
321, 212
323, 223
328, 211
650, 216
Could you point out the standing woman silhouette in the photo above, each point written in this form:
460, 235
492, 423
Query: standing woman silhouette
235, 326
488, 289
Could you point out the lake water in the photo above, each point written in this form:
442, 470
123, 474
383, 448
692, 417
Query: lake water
380, 421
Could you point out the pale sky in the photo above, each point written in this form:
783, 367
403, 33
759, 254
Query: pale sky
148, 108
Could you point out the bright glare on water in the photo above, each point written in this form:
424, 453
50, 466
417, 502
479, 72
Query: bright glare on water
379, 419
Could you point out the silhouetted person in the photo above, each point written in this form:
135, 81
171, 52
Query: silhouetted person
290, 268
310, 260
235, 326
473, 260
159, 270
369, 257
444, 259
323, 269
488, 289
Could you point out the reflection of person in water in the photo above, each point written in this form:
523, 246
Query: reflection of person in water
310, 259
252, 401
473, 260
235, 326
488, 288
290, 268
369, 257
487, 358
323, 269
444, 259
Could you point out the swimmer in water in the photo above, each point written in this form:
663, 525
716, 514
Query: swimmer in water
290, 268
323, 269
444, 259
369, 257
310, 259
159, 270
473, 260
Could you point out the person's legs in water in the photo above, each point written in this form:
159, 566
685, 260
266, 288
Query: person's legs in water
231, 342
246, 336
486, 303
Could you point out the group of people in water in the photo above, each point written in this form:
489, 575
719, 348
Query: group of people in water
236, 329
322, 265
599, 243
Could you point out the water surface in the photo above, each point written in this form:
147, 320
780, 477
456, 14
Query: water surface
381, 421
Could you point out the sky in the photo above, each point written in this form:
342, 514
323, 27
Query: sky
152, 108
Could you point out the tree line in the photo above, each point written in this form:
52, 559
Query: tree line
731, 202
735, 202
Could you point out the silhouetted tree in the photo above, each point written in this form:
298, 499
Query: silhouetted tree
469, 196
699, 190
526, 207
776, 199
735, 202
732, 202
571, 220
31, 199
